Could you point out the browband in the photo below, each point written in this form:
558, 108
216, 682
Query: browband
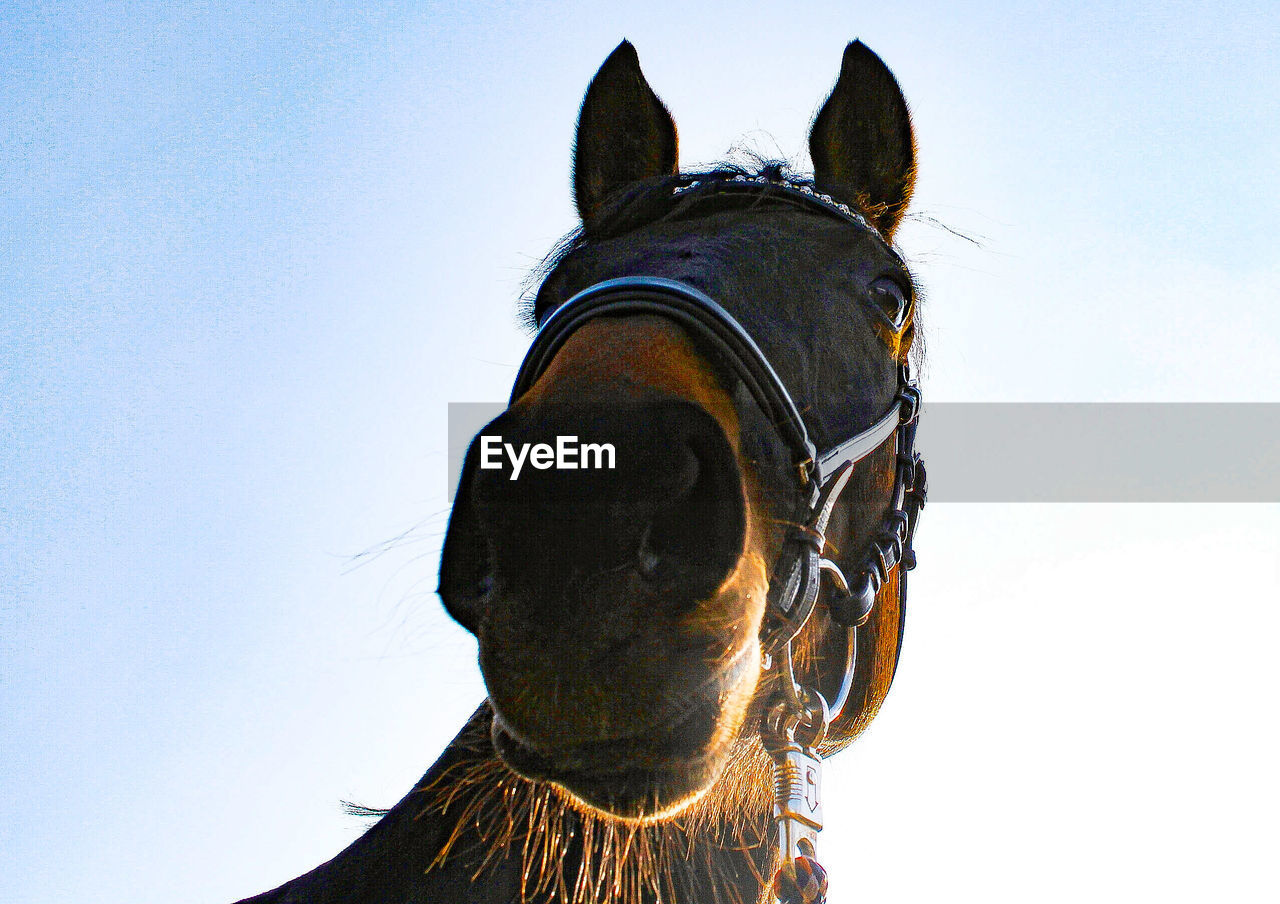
802, 195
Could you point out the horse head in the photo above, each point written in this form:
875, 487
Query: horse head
621, 576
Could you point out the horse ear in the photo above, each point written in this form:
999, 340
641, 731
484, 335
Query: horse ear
625, 134
861, 143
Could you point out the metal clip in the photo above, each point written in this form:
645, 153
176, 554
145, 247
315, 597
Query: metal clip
797, 768
797, 804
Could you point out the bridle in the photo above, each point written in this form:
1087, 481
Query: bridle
798, 716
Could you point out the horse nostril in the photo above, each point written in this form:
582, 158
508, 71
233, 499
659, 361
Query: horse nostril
695, 536
668, 508
647, 558
686, 470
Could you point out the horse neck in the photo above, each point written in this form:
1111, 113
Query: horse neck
471, 832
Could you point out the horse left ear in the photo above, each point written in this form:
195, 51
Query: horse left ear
625, 134
863, 149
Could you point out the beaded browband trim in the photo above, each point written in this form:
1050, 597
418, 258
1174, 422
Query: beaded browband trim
801, 192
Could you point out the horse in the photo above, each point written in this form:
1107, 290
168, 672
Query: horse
675, 634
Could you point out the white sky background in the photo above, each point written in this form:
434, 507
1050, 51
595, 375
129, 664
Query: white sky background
247, 256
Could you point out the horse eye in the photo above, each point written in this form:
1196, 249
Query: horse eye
890, 300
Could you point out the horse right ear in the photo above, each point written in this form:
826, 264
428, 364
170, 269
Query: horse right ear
625, 134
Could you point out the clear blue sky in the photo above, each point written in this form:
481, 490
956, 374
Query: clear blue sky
248, 253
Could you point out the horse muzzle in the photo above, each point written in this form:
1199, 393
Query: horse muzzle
653, 491
616, 619
648, 772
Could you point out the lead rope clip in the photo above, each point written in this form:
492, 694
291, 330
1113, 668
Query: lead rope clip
797, 794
